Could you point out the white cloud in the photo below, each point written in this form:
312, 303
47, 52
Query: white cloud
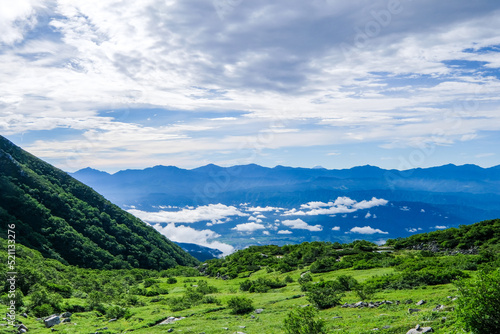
315, 205
266, 232
336, 228
367, 230
248, 227
341, 205
255, 219
261, 216
189, 235
368, 215
299, 224
212, 212
285, 232
263, 209
413, 229
440, 227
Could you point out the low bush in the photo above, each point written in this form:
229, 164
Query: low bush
240, 305
304, 321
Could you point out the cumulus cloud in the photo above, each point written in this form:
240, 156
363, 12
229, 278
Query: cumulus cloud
341, 205
211, 212
263, 209
336, 228
440, 227
299, 224
368, 215
285, 232
413, 229
190, 235
367, 230
248, 227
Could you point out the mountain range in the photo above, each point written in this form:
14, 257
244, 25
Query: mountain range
243, 205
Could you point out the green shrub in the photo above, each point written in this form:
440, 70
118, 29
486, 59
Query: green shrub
477, 305
43, 311
149, 282
240, 305
324, 294
303, 321
117, 312
171, 280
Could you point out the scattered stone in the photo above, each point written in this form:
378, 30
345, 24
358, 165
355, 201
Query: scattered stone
170, 330
362, 304
386, 327
438, 308
24, 315
259, 310
111, 320
420, 302
408, 301
418, 330
66, 315
375, 329
66, 320
170, 320
225, 328
337, 318
54, 330
413, 310
52, 320
243, 327
252, 316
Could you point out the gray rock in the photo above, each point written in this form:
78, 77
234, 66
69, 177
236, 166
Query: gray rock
67, 320
66, 315
418, 330
413, 310
438, 308
170, 330
111, 320
337, 318
24, 315
52, 320
420, 302
259, 310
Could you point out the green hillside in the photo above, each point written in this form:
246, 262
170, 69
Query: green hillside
369, 291
68, 221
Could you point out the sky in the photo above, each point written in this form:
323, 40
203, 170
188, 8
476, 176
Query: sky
131, 84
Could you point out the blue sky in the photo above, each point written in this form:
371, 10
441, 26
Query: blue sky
132, 84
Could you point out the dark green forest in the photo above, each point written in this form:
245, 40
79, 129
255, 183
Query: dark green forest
68, 221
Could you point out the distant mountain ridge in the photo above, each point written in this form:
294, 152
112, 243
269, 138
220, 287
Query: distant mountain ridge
68, 221
139, 185
419, 200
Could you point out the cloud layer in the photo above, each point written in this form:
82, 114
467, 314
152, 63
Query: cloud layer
121, 84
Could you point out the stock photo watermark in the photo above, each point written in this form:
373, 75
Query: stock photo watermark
225, 7
381, 19
11, 274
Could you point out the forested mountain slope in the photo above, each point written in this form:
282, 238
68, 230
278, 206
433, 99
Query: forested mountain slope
67, 220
